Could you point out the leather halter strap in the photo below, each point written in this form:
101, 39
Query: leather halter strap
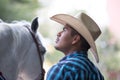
39, 53
2, 77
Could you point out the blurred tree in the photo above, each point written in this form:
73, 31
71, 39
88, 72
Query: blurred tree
18, 9
109, 46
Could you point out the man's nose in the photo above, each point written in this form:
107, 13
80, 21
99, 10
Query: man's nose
59, 34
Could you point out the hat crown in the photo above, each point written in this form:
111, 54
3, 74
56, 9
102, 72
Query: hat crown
90, 25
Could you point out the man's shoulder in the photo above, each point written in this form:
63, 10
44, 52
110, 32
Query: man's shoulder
74, 64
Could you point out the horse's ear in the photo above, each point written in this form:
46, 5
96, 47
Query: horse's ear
34, 24
1, 20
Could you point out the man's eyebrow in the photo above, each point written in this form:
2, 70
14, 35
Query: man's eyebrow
64, 27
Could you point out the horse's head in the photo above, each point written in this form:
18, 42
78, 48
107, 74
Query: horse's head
20, 49
34, 27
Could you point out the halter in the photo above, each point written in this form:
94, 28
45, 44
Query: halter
39, 53
2, 77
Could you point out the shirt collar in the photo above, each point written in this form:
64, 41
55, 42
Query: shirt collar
75, 53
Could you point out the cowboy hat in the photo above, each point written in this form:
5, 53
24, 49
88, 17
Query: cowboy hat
84, 25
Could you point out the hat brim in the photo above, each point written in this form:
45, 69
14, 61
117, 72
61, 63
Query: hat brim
79, 27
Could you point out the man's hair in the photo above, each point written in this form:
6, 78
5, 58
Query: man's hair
83, 43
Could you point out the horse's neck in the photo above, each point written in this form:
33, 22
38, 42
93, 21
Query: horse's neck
15, 51
18, 53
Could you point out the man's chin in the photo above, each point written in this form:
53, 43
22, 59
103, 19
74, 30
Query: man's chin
56, 47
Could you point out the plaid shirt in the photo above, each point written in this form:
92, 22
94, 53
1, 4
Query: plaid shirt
75, 66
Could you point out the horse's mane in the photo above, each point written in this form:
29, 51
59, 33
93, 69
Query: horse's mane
13, 31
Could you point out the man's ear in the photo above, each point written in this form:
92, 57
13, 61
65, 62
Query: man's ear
76, 39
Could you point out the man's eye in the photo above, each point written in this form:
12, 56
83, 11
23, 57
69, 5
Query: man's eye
64, 29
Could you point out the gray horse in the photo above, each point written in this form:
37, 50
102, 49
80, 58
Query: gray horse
21, 50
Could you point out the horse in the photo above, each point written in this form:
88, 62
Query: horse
21, 51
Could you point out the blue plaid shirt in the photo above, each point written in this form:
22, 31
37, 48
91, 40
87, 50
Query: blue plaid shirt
75, 66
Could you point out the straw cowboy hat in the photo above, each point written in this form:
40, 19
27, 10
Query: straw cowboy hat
84, 25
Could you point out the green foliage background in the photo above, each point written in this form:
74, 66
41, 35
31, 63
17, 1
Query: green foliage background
18, 9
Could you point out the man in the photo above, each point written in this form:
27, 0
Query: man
78, 35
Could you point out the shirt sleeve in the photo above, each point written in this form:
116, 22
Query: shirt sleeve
55, 73
63, 73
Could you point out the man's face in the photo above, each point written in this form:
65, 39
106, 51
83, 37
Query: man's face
64, 40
